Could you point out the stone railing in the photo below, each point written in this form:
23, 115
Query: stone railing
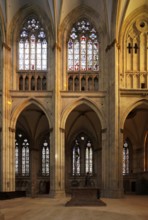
83, 82
32, 81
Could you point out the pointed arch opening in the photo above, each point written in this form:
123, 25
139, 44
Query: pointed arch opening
32, 151
135, 157
83, 148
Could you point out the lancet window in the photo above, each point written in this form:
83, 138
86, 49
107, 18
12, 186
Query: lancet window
22, 155
82, 155
45, 158
126, 158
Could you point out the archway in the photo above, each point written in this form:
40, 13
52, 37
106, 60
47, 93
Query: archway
135, 130
83, 148
32, 151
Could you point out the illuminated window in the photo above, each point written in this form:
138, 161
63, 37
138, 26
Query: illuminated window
25, 158
45, 158
22, 155
82, 155
125, 158
32, 56
88, 158
83, 57
16, 157
76, 159
83, 47
32, 48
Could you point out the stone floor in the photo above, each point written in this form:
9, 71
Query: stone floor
129, 208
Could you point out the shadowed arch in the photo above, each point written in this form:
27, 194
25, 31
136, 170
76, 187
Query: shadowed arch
71, 107
22, 14
18, 109
130, 108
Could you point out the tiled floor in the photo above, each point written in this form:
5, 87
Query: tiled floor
128, 208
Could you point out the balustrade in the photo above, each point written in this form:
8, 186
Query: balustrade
83, 82
32, 81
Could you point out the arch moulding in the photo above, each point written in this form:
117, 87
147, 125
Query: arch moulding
130, 108
77, 103
19, 108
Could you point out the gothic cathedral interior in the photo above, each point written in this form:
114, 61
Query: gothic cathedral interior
74, 96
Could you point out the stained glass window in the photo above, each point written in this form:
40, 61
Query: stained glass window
25, 158
83, 47
45, 158
22, 155
82, 155
76, 159
88, 158
32, 48
16, 157
125, 158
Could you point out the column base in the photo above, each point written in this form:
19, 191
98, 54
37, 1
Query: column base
57, 194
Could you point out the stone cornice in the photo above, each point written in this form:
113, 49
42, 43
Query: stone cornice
133, 92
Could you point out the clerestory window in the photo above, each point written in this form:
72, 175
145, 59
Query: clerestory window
83, 57
32, 55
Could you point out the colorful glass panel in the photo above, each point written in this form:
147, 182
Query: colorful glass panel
32, 47
83, 47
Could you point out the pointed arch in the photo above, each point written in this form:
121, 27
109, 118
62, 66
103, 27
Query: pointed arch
22, 14
87, 102
130, 108
133, 38
80, 13
31, 47
18, 109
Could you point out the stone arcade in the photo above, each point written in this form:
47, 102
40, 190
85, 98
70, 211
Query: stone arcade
73, 96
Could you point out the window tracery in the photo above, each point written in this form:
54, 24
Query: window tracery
45, 158
22, 155
82, 155
32, 55
83, 56
126, 158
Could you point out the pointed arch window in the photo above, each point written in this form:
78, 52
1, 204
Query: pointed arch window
25, 157
32, 46
22, 155
32, 53
83, 53
126, 158
82, 156
76, 159
45, 158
